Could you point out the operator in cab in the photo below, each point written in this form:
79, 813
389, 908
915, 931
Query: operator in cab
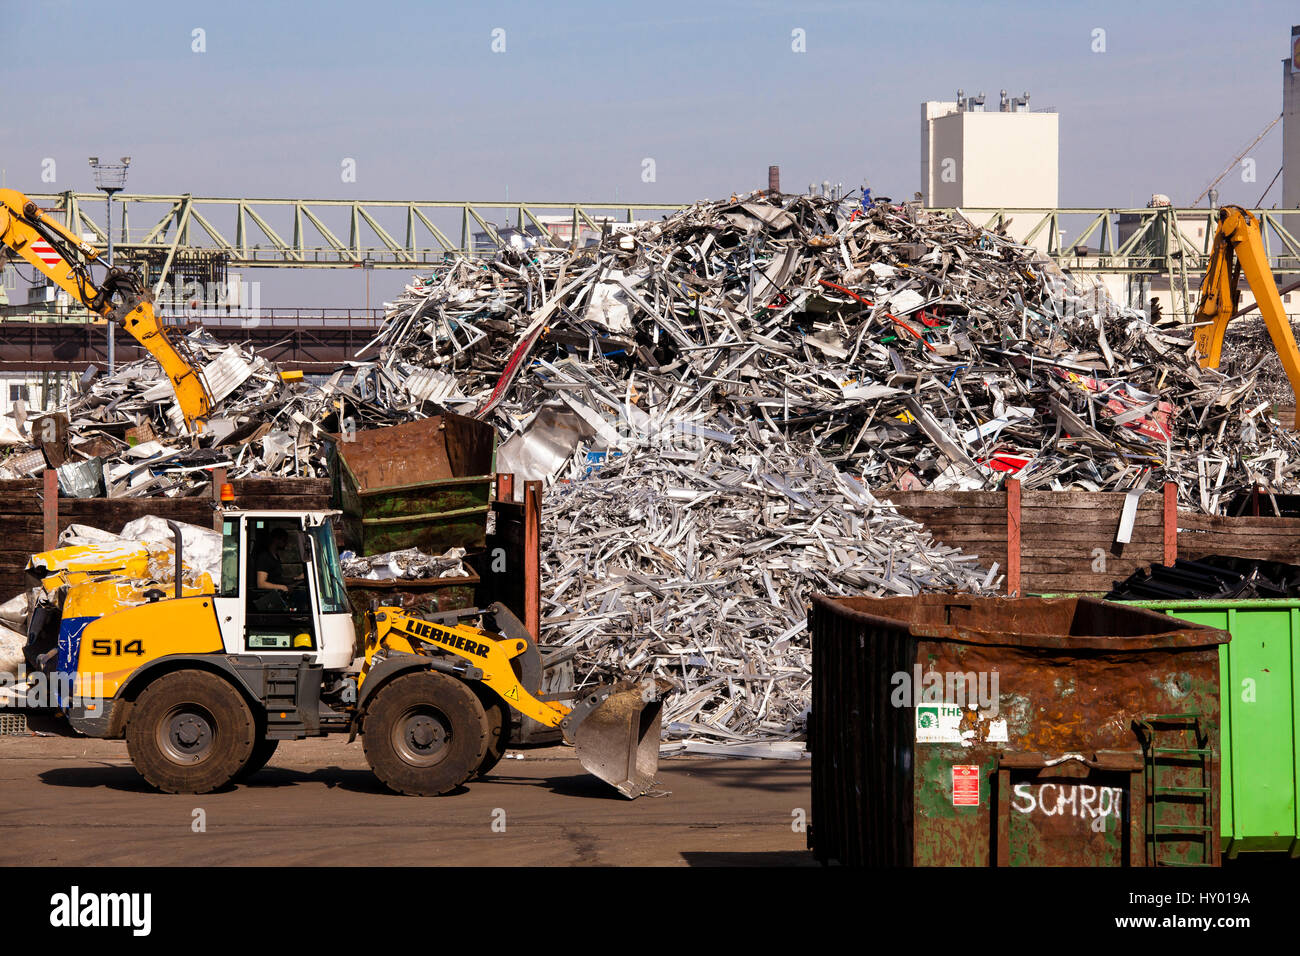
269, 574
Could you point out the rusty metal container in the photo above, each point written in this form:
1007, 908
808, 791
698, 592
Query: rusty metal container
424, 484
948, 730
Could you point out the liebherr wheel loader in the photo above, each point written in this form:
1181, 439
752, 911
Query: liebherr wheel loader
203, 685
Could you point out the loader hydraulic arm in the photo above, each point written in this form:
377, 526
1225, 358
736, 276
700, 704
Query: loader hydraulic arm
614, 728
26, 232
491, 653
1238, 250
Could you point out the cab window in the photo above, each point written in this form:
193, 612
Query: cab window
333, 597
229, 558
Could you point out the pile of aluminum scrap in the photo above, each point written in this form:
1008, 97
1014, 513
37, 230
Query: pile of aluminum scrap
124, 434
1249, 350
911, 347
408, 564
714, 398
697, 566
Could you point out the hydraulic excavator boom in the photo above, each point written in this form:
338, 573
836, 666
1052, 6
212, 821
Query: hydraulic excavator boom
26, 232
1238, 250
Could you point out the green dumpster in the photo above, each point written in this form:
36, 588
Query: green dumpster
423, 484
1259, 672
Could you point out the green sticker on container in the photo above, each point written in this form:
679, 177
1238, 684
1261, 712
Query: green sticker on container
938, 724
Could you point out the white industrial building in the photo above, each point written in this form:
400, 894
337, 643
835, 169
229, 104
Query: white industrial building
38, 391
983, 158
1291, 124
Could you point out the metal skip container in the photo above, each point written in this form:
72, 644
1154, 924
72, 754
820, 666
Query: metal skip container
949, 730
1260, 673
423, 484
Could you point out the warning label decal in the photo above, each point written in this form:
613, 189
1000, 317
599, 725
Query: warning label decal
965, 786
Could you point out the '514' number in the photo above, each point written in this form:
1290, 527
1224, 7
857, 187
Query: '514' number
104, 646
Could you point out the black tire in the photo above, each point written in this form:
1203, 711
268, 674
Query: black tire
263, 751
425, 734
190, 732
498, 715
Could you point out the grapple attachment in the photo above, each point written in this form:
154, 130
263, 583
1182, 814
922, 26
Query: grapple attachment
615, 731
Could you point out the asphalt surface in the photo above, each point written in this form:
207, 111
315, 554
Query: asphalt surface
78, 802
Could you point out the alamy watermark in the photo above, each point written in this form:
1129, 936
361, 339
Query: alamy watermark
966, 689
58, 689
231, 299
78, 909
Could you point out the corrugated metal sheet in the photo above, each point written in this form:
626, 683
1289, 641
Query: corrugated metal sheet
433, 385
226, 374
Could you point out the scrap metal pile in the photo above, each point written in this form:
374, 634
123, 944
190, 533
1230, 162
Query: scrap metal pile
124, 435
408, 564
720, 393
699, 568
715, 398
908, 346
1251, 351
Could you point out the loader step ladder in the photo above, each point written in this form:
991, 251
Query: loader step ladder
1176, 747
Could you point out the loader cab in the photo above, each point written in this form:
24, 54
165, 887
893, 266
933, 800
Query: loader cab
282, 589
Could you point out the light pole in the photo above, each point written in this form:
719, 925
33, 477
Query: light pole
367, 264
111, 178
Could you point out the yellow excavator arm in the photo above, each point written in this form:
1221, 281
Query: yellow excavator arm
26, 232
1238, 250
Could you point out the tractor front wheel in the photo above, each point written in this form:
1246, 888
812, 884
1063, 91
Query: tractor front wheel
425, 734
498, 715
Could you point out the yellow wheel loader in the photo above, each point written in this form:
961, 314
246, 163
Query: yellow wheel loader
204, 682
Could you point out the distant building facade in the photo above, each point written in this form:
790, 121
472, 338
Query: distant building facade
1291, 124
977, 157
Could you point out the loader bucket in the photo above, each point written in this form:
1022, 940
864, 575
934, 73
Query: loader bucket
617, 737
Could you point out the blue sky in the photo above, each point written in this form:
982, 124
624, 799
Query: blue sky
585, 91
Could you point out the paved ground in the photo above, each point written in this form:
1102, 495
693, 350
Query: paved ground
73, 801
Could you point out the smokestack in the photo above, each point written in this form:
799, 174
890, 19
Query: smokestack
774, 179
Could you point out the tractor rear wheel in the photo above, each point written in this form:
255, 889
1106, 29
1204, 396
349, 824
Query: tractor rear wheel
190, 732
262, 753
425, 734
